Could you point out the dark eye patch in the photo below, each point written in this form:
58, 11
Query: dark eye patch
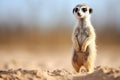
84, 9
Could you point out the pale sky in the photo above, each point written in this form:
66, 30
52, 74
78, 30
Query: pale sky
49, 11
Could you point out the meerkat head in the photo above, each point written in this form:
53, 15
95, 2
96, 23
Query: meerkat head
82, 11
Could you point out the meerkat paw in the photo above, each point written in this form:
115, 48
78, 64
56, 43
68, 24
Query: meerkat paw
83, 49
77, 48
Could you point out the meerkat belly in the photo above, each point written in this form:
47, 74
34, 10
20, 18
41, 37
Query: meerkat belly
82, 37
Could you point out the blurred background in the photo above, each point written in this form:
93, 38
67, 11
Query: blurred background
36, 34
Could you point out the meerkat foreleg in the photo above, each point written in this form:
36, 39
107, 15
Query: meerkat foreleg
75, 40
75, 43
87, 42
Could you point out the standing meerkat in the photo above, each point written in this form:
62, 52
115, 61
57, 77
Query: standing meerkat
83, 38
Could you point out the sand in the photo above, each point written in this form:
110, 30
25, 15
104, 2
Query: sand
29, 64
100, 73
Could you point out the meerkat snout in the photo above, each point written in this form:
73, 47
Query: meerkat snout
82, 11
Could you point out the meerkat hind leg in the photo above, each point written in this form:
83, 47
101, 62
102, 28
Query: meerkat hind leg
76, 63
76, 67
89, 66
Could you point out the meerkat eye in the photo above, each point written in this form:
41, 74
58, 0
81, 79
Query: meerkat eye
84, 9
76, 9
90, 10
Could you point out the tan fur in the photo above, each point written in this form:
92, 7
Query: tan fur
84, 47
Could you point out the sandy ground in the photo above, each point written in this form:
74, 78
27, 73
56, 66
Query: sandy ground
49, 64
101, 73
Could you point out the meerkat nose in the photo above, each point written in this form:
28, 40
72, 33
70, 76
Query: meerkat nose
78, 14
76, 9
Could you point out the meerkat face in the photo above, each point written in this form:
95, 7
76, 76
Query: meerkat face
82, 11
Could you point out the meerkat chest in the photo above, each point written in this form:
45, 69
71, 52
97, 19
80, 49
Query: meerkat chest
83, 34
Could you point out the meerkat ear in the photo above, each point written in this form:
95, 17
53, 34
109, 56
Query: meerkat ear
73, 10
90, 10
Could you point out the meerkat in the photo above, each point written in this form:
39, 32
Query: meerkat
83, 39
